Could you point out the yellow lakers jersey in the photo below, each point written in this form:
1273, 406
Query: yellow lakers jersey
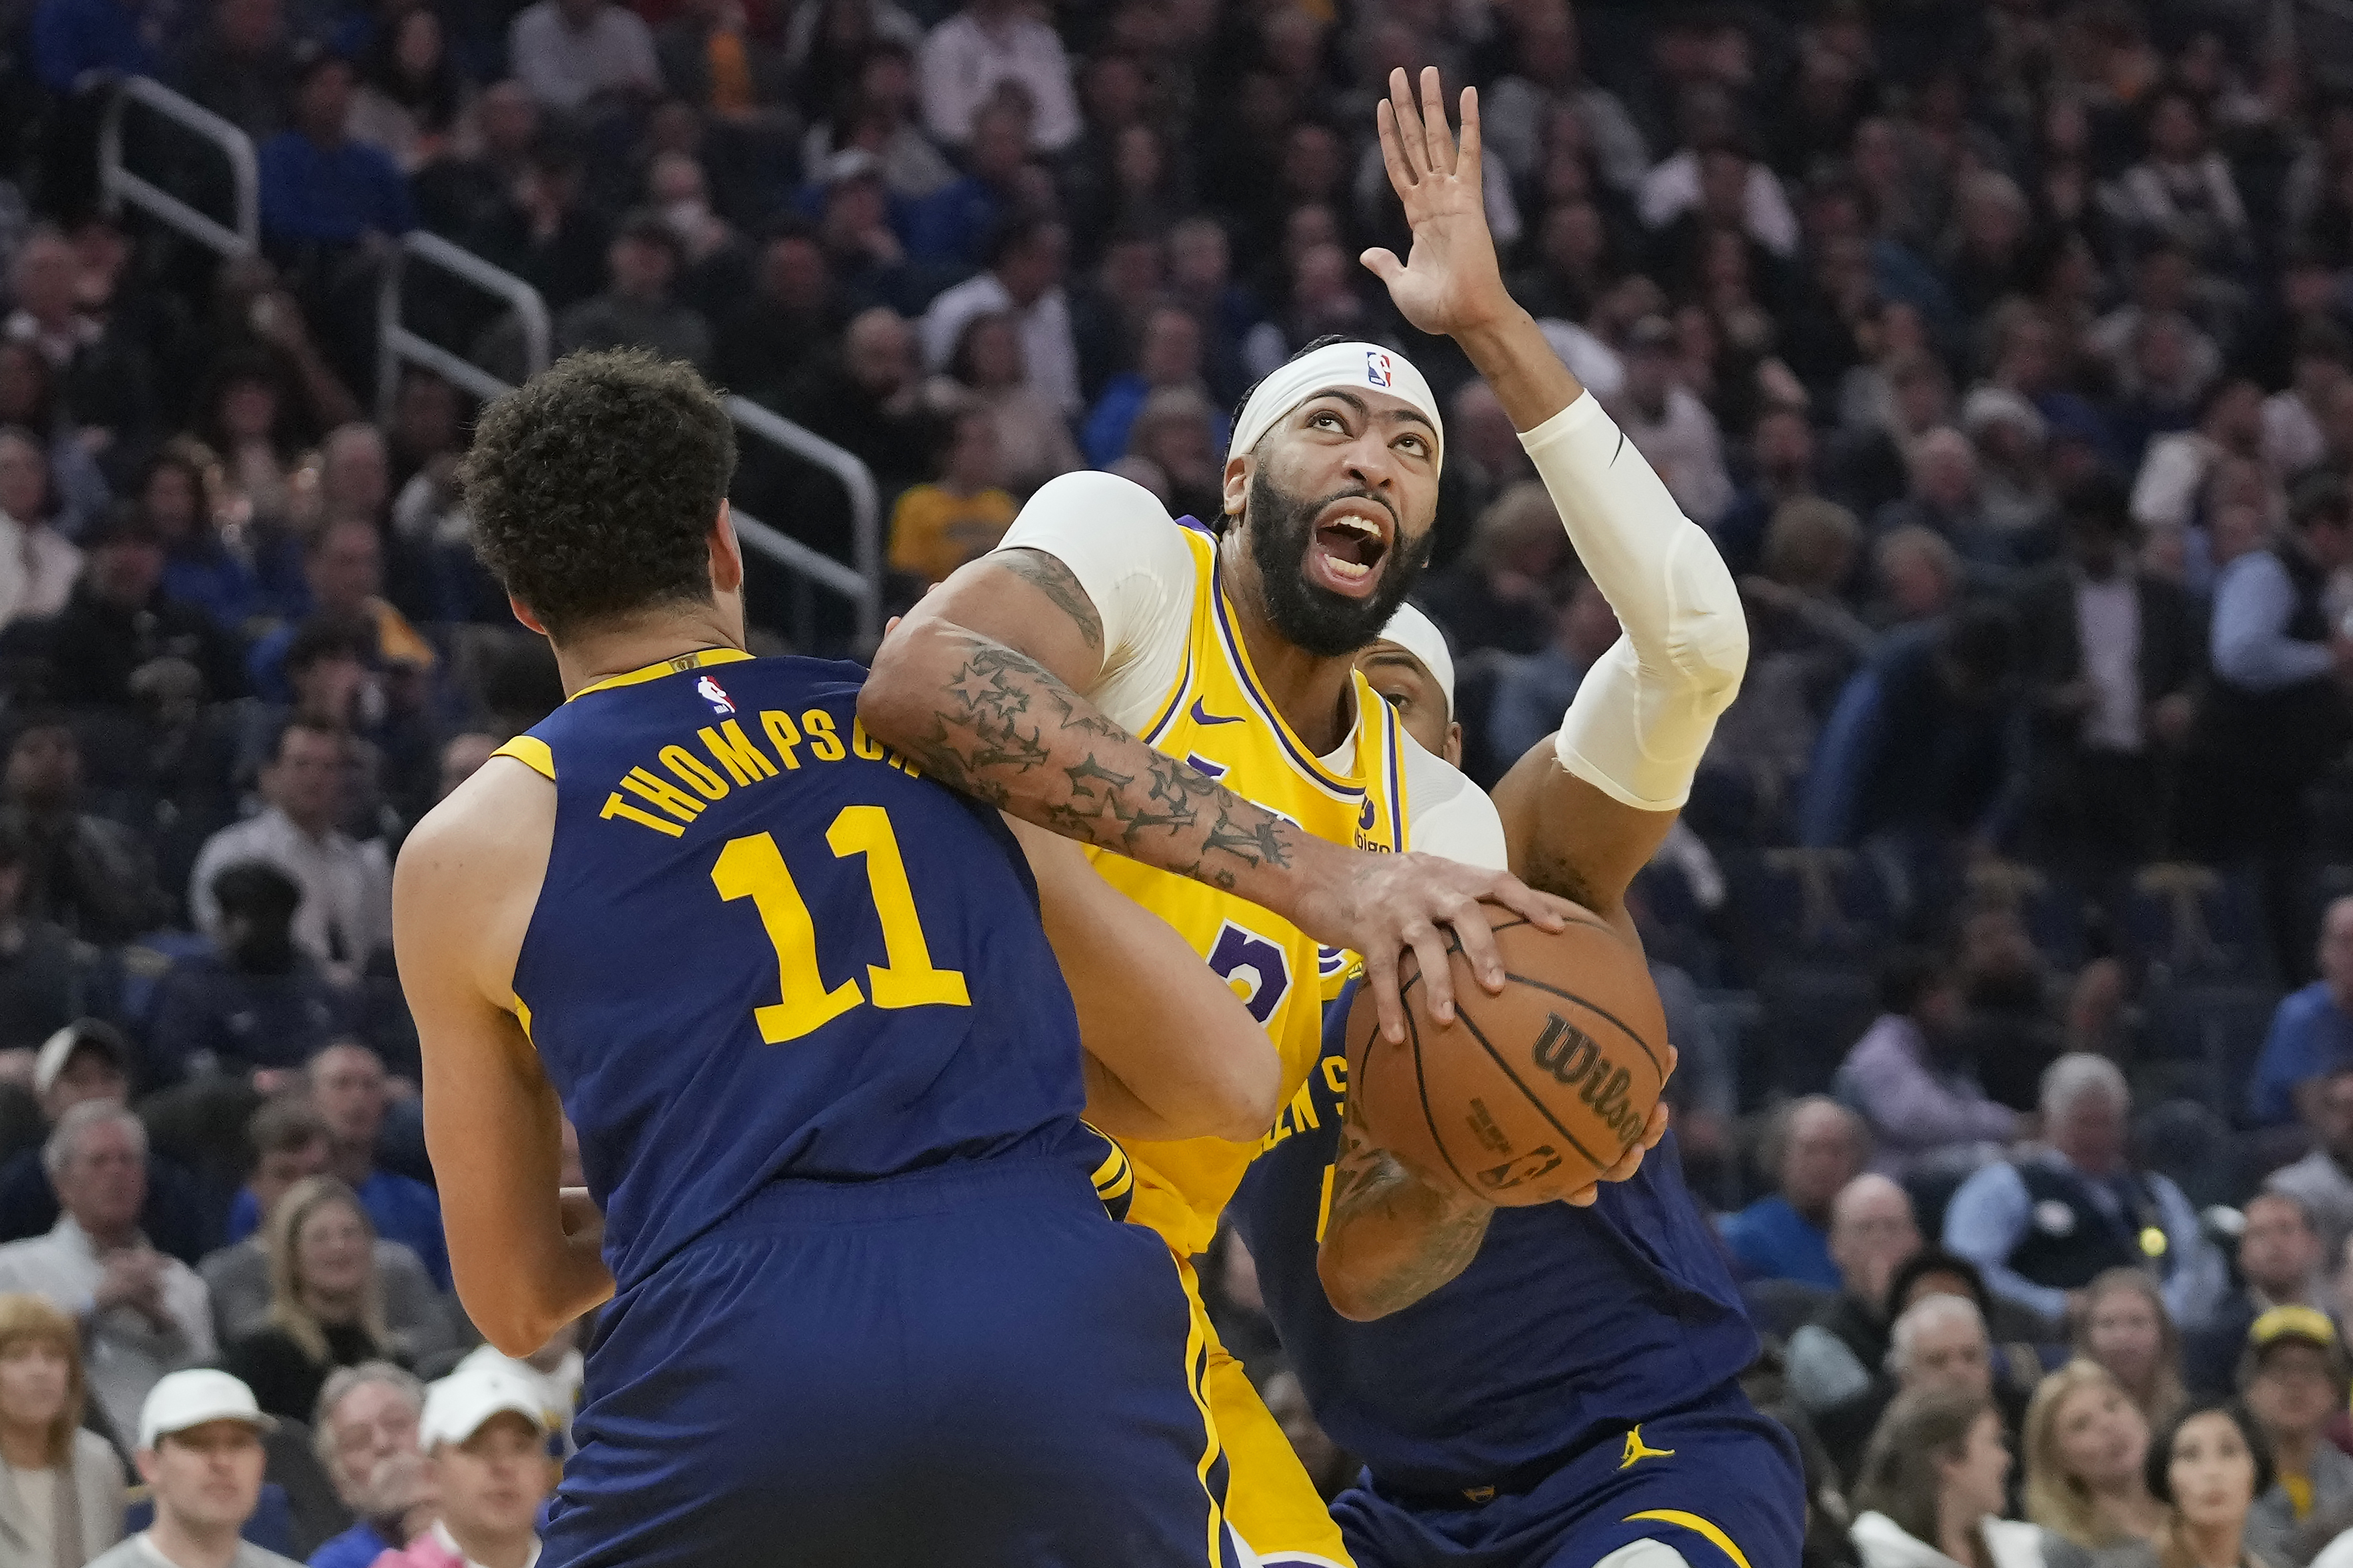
1218, 719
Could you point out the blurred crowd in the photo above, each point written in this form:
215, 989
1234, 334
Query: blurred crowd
2005, 347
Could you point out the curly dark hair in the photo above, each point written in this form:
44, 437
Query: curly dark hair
592, 486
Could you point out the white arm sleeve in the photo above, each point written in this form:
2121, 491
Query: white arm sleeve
1644, 714
1448, 814
1130, 558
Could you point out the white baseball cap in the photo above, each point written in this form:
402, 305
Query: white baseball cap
456, 1407
182, 1400
82, 1034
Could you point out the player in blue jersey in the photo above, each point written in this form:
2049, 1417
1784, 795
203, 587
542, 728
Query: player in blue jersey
1553, 1386
801, 1005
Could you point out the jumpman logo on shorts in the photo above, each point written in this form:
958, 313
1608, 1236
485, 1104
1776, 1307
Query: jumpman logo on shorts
1638, 1449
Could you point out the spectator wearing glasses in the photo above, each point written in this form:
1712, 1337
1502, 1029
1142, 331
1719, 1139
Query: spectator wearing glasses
366, 1436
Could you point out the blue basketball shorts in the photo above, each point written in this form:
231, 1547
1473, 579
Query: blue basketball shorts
1716, 1486
971, 1364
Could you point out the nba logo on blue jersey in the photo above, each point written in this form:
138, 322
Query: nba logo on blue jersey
711, 692
1378, 370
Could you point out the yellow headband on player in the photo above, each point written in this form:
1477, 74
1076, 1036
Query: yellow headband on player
1335, 367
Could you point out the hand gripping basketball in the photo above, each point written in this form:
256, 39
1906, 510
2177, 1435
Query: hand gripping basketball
1537, 1093
1384, 906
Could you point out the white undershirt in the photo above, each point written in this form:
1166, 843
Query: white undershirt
1131, 557
2107, 618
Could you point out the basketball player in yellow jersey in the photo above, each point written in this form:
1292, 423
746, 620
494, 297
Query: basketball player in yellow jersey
1062, 676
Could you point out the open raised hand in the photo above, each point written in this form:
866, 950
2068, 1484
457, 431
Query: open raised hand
1450, 281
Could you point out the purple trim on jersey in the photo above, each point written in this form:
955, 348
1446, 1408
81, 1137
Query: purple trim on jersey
1177, 699
1249, 683
1393, 747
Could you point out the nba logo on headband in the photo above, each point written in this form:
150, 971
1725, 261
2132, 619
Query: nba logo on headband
1334, 367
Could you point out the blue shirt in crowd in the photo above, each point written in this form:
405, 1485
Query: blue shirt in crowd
356, 1548
1772, 1240
1105, 438
76, 38
2255, 599
401, 1210
332, 194
2310, 1037
951, 226
1987, 1220
209, 1013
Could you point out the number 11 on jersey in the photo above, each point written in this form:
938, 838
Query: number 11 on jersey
753, 868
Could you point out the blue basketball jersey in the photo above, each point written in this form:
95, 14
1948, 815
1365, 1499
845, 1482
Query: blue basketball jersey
1571, 1326
767, 947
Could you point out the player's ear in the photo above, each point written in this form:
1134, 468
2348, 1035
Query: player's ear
726, 552
1238, 477
522, 612
1455, 745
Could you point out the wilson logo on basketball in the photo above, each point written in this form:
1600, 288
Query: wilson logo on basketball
1570, 1055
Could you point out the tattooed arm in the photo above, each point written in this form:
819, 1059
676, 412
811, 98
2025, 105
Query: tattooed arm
982, 683
1391, 1237
996, 711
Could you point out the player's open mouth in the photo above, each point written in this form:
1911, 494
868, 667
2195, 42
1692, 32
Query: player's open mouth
1345, 551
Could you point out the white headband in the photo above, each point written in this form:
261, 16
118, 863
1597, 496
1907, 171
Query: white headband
1418, 636
1335, 367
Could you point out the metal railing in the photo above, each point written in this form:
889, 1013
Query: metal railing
118, 184
809, 570
397, 345
861, 584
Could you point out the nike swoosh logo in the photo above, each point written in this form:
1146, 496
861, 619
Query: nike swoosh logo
1203, 716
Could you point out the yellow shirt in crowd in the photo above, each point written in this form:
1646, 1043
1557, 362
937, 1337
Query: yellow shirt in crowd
933, 530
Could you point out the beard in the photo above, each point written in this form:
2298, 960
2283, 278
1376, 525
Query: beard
1281, 530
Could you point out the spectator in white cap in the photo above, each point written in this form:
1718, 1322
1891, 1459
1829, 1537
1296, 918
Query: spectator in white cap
142, 1312
557, 1367
484, 1434
200, 1454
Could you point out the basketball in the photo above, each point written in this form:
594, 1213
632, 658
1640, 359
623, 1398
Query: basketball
1531, 1094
